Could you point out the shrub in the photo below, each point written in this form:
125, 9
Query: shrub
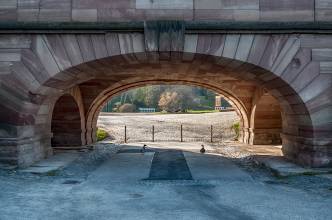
127, 108
101, 134
236, 128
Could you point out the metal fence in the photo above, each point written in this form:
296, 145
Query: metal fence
182, 133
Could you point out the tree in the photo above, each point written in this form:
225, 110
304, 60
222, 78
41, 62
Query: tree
153, 95
170, 102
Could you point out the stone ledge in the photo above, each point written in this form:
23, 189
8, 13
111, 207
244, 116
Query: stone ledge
190, 26
52, 164
283, 168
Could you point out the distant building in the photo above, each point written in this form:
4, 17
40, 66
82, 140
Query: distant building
221, 104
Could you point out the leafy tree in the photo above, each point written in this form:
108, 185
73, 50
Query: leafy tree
193, 98
170, 102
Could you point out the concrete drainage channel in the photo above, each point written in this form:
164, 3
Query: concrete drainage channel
71, 182
166, 164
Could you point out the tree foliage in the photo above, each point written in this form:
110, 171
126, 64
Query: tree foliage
163, 97
170, 102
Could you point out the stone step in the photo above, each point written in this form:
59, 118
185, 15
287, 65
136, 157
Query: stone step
52, 164
4, 166
8, 160
283, 168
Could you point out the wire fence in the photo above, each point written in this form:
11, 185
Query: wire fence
172, 133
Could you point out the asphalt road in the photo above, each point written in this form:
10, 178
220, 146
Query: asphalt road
127, 185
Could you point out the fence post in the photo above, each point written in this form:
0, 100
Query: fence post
211, 133
125, 134
181, 133
152, 133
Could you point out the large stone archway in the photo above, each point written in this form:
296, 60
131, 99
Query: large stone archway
105, 95
237, 64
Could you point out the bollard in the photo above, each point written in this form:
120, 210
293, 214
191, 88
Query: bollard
152, 133
211, 133
125, 134
181, 130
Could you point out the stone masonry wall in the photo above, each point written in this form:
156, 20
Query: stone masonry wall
130, 10
294, 68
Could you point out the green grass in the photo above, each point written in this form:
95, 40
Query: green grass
201, 111
309, 173
52, 173
101, 134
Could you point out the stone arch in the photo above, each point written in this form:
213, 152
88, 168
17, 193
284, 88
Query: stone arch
265, 120
189, 66
104, 96
67, 121
283, 64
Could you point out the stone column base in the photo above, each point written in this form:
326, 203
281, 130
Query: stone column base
23, 152
308, 152
266, 136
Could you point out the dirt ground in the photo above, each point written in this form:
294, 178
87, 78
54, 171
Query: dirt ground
167, 127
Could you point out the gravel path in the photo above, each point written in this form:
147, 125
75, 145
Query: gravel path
196, 127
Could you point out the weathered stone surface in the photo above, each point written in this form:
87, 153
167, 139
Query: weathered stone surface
272, 50
160, 4
323, 10
28, 4
27, 15
8, 55
58, 51
240, 4
323, 15
84, 15
99, 45
86, 47
325, 67
56, 15
286, 55
103, 4
257, 49
244, 47
190, 43
51, 4
8, 14
322, 54
132, 10
208, 4
164, 36
5, 68
8, 4
231, 44
300, 60
112, 42
307, 75
45, 56
72, 48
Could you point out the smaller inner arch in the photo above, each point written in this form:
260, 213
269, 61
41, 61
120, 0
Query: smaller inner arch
266, 121
66, 123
